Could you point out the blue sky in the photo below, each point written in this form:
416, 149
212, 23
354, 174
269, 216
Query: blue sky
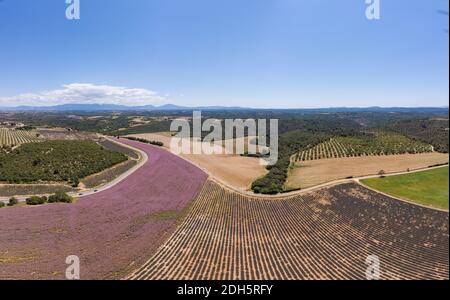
255, 53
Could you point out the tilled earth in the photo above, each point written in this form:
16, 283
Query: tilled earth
327, 234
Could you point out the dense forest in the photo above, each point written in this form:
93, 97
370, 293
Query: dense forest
433, 131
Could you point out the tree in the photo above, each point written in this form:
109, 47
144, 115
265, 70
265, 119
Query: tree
13, 201
75, 182
36, 200
60, 197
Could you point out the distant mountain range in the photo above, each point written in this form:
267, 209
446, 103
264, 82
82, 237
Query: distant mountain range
172, 107
109, 107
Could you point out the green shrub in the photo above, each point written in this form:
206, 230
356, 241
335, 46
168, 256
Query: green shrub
36, 200
75, 182
155, 143
2, 204
13, 201
60, 197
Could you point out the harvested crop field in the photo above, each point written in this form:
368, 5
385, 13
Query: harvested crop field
108, 175
326, 234
119, 148
64, 134
112, 231
234, 170
311, 173
8, 190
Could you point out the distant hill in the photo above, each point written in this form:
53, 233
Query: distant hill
109, 107
172, 107
78, 107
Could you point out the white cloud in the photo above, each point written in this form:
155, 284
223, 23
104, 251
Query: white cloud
86, 93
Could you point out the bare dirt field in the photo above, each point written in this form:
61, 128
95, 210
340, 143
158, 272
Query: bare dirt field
63, 134
233, 170
311, 173
108, 175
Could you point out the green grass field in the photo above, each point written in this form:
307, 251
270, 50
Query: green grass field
427, 187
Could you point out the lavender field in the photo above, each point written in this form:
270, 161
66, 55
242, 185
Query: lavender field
112, 232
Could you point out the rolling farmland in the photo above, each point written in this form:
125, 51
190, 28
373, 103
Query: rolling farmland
310, 173
320, 235
11, 138
222, 234
379, 144
110, 231
235, 170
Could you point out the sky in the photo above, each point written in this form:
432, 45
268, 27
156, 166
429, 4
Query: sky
252, 53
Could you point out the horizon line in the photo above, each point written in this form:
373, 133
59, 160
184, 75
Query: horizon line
2, 107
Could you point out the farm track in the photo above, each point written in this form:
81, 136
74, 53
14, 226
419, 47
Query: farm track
326, 234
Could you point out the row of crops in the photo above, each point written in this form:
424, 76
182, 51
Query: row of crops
366, 145
11, 138
322, 235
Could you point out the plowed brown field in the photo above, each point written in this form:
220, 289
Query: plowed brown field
234, 170
314, 172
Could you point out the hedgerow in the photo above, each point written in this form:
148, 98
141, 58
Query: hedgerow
36, 200
155, 143
60, 197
